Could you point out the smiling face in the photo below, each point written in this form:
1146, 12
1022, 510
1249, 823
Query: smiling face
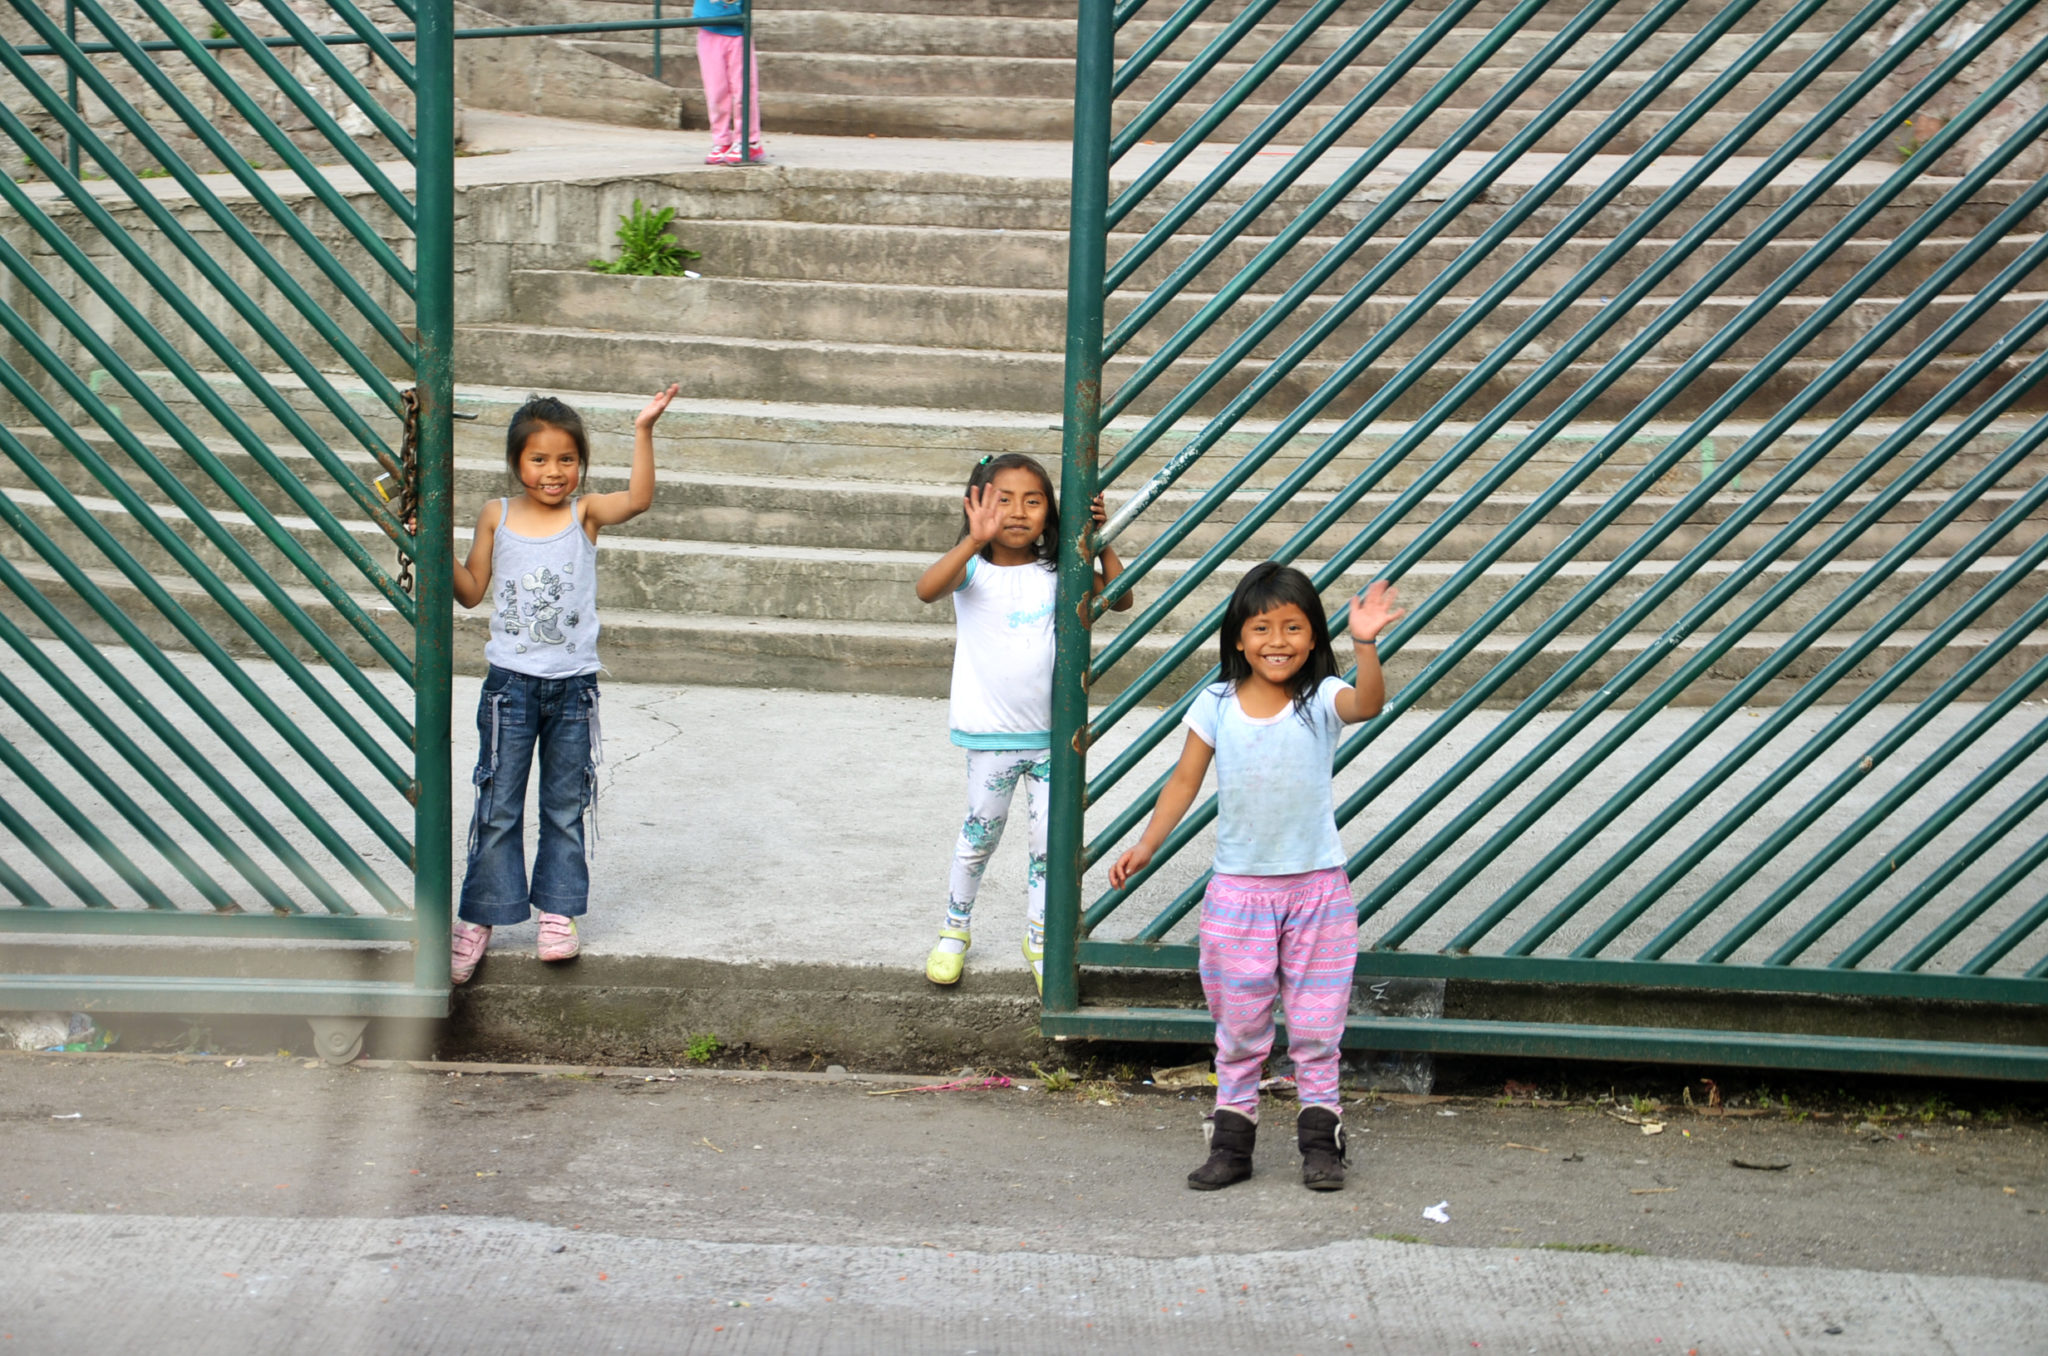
549, 466
1277, 643
1024, 502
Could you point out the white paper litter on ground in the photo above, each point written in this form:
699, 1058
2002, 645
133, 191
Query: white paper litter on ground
1440, 1213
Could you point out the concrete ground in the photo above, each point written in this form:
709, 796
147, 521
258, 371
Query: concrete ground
766, 827
270, 1206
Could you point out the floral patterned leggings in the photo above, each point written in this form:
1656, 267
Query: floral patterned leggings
992, 779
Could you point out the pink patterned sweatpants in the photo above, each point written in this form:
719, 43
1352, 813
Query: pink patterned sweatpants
1290, 937
718, 58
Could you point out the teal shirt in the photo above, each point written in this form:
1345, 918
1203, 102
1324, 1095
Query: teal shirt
718, 9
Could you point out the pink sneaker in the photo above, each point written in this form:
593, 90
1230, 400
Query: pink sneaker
722, 155
558, 938
466, 949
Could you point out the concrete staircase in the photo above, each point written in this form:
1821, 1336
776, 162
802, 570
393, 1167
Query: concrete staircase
864, 332
1004, 68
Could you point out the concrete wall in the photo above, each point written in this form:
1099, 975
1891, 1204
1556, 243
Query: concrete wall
543, 76
2002, 121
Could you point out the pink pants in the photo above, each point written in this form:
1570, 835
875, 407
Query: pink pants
718, 57
1291, 937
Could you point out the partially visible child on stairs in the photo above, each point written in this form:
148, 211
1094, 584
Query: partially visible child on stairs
1277, 920
1002, 578
540, 696
720, 62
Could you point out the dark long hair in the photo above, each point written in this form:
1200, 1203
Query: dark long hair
1048, 543
541, 412
1264, 587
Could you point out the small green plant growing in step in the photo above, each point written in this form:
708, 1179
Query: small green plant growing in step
1908, 145
216, 31
1059, 1080
645, 246
702, 1048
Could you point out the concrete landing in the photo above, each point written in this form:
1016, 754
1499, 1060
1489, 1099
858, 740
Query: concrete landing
517, 148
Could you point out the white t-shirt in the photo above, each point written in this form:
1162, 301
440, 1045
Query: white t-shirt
1002, 659
1275, 813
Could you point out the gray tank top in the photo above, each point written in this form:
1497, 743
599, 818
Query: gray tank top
544, 619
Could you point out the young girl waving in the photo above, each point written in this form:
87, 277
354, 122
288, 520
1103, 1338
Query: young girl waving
1002, 579
1277, 919
541, 693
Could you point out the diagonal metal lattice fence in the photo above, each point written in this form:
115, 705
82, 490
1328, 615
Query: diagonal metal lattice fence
1681, 364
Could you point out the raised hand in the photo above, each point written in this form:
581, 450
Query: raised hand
1098, 512
655, 408
1373, 610
984, 514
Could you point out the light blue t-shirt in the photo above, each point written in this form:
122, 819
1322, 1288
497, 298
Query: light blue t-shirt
1274, 811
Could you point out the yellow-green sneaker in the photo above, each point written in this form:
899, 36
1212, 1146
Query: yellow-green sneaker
943, 966
1036, 956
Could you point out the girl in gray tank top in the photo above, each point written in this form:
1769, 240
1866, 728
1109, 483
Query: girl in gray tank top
534, 559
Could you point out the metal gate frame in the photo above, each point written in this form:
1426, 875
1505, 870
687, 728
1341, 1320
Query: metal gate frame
1071, 940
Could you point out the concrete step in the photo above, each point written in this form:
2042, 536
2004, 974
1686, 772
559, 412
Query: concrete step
939, 378
1486, 13
694, 505
951, 257
851, 445
969, 30
831, 585
1050, 119
988, 318
564, 224
1006, 76
915, 660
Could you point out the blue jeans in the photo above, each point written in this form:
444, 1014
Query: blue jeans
516, 713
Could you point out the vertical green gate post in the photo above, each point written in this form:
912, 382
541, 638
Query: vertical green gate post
433, 654
1080, 445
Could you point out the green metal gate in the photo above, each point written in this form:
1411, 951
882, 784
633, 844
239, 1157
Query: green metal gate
227, 437
1682, 362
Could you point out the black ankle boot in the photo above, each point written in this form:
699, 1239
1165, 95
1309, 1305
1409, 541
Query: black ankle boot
1320, 1133
1230, 1135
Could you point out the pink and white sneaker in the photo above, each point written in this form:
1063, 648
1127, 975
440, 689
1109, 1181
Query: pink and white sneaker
723, 155
466, 949
558, 938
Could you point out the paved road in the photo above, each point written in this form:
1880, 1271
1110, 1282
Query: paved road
273, 1207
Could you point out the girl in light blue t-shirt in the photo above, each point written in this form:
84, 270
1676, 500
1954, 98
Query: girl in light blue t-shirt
1277, 921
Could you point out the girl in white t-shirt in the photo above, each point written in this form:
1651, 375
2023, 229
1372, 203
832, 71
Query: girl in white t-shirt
1003, 581
1277, 920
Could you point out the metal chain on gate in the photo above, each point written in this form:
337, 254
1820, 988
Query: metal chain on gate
406, 505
